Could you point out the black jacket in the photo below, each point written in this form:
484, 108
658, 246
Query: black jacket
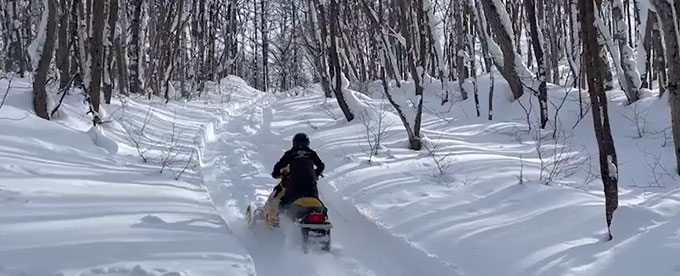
305, 167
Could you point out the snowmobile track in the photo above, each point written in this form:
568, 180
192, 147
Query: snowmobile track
236, 172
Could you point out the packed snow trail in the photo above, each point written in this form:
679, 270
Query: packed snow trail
236, 169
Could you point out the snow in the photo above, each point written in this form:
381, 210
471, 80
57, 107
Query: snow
474, 213
350, 97
100, 139
237, 165
478, 212
613, 170
79, 201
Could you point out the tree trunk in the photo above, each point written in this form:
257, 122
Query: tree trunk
96, 54
320, 34
470, 38
39, 92
491, 90
212, 19
183, 64
574, 49
7, 26
27, 35
136, 56
537, 41
556, 48
415, 62
63, 60
108, 75
659, 58
627, 57
16, 55
598, 99
335, 61
669, 23
120, 48
504, 39
265, 46
645, 49
74, 32
460, 49
83, 43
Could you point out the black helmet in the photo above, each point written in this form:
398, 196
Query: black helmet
300, 140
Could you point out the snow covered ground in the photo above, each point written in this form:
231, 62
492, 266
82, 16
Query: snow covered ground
78, 201
237, 167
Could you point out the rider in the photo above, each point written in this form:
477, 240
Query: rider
305, 169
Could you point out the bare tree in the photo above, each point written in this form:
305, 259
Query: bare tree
315, 43
537, 40
43, 49
63, 60
264, 30
669, 22
630, 78
97, 55
119, 33
495, 12
335, 63
412, 18
110, 35
376, 126
598, 99
137, 41
15, 38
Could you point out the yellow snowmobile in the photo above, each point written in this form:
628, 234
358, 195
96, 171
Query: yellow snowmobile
311, 216
308, 213
269, 212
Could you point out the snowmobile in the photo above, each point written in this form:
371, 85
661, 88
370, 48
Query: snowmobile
268, 212
307, 213
311, 216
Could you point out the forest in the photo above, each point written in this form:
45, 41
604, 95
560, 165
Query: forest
415, 55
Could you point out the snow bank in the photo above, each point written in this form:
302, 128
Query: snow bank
101, 140
481, 192
77, 200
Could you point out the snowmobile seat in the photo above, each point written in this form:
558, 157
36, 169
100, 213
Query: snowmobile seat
306, 205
